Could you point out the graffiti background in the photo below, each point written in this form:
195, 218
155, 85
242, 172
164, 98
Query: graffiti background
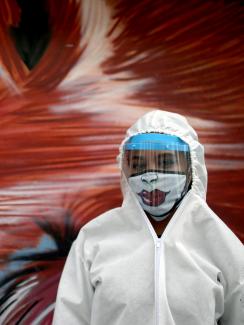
73, 76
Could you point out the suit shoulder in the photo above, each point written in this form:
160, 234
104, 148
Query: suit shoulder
102, 223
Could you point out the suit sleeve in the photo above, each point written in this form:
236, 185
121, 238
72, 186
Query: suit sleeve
234, 304
75, 291
234, 287
226, 252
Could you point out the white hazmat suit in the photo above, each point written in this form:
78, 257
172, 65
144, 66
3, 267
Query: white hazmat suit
119, 272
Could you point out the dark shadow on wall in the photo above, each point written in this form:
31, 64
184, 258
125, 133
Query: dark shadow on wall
32, 35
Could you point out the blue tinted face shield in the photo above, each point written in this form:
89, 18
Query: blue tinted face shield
158, 169
156, 152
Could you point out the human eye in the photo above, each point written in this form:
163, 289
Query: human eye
138, 165
166, 161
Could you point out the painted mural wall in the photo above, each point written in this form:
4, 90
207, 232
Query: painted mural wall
73, 76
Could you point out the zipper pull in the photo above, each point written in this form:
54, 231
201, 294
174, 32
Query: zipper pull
158, 244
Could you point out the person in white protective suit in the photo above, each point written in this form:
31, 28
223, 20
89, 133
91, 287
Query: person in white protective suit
163, 257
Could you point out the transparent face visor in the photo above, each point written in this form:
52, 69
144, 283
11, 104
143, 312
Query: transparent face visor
158, 170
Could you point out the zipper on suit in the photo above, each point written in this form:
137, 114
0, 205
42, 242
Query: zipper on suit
159, 245
157, 287
158, 242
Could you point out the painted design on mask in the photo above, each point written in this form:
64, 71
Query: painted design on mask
158, 192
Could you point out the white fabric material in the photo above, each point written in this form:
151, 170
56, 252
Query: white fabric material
119, 272
171, 184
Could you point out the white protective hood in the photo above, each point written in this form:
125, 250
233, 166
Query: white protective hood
174, 124
119, 272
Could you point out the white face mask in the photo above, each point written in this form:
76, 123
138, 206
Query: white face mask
158, 192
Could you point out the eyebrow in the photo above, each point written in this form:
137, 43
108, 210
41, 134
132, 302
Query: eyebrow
161, 155
166, 154
137, 157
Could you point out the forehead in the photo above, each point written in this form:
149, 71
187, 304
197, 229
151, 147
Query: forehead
135, 154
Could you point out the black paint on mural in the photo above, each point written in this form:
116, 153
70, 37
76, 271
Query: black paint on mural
33, 34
